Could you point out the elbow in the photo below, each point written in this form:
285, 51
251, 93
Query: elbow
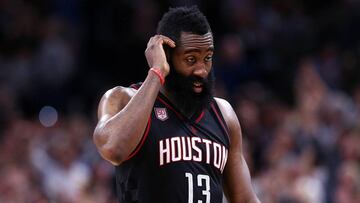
107, 149
112, 155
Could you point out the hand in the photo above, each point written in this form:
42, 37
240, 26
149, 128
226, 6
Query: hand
155, 54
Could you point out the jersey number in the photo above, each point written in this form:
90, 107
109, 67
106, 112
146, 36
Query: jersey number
200, 179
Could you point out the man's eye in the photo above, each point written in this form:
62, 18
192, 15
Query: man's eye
208, 58
190, 60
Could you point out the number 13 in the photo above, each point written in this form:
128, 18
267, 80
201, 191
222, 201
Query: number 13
200, 179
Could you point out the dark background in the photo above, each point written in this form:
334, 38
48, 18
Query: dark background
107, 42
290, 69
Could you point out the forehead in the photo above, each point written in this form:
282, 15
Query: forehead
191, 41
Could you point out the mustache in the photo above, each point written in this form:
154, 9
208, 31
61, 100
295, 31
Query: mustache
193, 79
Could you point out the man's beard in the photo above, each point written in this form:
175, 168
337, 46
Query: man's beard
181, 89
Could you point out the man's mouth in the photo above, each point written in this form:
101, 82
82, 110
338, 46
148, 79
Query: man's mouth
198, 86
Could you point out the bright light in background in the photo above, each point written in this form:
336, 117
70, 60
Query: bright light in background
48, 116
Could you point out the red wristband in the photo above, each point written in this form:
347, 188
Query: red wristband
159, 74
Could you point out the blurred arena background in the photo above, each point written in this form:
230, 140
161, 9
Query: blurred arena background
290, 68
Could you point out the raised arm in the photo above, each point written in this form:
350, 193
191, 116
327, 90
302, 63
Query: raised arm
123, 112
237, 181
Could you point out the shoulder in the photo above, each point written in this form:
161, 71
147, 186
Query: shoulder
115, 99
228, 113
119, 93
225, 107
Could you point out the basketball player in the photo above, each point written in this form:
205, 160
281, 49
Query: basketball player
169, 139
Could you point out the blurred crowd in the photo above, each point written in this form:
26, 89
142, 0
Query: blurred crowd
290, 68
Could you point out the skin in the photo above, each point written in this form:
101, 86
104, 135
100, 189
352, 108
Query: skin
195, 51
127, 110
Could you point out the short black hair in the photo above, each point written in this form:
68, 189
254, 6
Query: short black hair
183, 19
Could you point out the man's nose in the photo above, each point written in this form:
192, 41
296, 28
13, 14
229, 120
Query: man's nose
201, 71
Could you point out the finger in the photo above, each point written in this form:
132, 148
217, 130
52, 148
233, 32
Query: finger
167, 40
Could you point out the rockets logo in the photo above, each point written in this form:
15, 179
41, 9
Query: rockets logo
161, 114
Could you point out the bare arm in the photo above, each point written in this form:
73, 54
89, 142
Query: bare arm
237, 179
123, 112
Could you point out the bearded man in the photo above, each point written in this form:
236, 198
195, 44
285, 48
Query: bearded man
168, 137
